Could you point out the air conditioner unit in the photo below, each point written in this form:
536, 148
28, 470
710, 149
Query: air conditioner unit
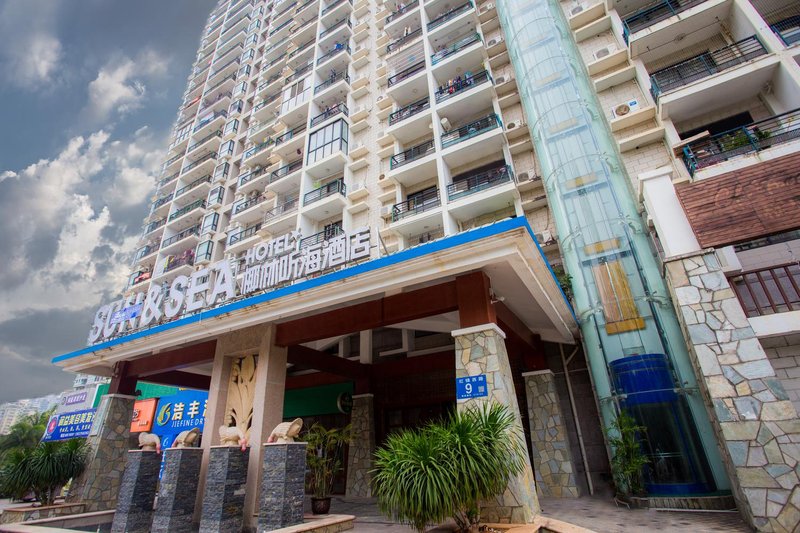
445, 124
604, 52
504, 79
625, 108
577, 9
386, 211
515, 124
494, 41
487, 7
380, 98
546, 237
525, 177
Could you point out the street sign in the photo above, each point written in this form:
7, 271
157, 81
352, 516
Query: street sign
471, 387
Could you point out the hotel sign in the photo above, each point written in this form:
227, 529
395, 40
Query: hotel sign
267, 265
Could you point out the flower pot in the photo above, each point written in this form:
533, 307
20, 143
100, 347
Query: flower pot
320, 505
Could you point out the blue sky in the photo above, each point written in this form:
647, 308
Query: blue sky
89, 90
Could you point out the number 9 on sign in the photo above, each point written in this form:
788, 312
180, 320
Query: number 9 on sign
471, 387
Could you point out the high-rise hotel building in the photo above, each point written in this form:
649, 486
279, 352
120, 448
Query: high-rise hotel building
369, 209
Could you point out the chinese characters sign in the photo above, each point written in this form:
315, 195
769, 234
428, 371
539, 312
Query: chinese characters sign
183, 411
69, 425
143, 411
471, 387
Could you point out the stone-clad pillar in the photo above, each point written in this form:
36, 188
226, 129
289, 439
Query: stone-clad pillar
362, 447
552, 461
482, 350
98, 486
282, 486
137, 493
755, 423
226, 482
178, 491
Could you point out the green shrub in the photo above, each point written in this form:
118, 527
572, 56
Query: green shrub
446, 468
628, 460
325, 457
43, 469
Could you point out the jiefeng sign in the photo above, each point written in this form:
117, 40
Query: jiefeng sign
267, 265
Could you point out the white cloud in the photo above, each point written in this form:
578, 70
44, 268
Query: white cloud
30, 52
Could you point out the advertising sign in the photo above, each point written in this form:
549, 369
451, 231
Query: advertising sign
69, 425
471, 387
143, 411
76, 400
183, 411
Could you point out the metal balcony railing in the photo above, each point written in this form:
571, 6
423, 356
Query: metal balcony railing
199, 204
417, 204
654, 13
407, 73
215, 116
302, 48
453, 13
769, 290
280, 27
282, 209
416, 152
205, 139
257, 149
479, 182
749, 138
402, 11
409, 111
220, 83
407, 38
334, 187
455, 47
332, 80
144, 251
161, 201
186, 258
458, 86
267, 101
196, 183
152, 226
198, 162
286, 170
473, 129
209, 103
302, 71
194, 230
247, 204
328, 113
250, 176
328, 31
339, 48
333, 6
290, 134
320, 237
234, 61
788, 29
171, 160
705, 65
168, 179
244, 234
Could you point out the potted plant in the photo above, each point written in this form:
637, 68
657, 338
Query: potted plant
325, 458
628, 460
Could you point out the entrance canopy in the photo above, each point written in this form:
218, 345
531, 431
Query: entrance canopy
427, 287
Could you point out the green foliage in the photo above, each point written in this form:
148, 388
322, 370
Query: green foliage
325, 456
628, 460
26, 433
43, 469
446, 468
565, 280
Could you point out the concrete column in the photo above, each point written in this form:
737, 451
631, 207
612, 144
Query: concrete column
267, 413
362, 447
137, 493
552, 461
482, 350
669, 218
177, 494
98, 486
756, 425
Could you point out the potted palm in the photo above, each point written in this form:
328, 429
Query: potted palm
325, 458
628, 459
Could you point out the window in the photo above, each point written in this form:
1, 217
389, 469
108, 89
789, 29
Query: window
324, 142
244, 71
248, 55
215, 196
231, 127
253, 39
332, 230
619, 306
236, 107
226, 149
254, 25
240, 88
210, 222
204, 251
221, 172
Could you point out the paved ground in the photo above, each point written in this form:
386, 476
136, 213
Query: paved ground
598, 514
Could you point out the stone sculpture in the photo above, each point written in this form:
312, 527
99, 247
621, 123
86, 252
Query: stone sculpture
149, 442
232, 436
186, 439
285, 432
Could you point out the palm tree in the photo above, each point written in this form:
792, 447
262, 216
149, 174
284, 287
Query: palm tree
43, 469
26, 433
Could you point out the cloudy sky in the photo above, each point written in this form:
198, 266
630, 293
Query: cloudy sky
89, 90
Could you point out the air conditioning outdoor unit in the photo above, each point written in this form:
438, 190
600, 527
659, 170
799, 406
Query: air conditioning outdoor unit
604, 52
577, 9
487, 7
515, 124
386, 211
445, 124
494, 41
504, 79
625, 108
525, 177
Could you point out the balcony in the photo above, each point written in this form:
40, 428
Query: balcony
788, 29
199, 204
160, 202
408, 38
339, 48
194, 189
409, 111
168, 243
144, 252
420, 203
249, 209
176, 262
704, 65
328, 113
299, 73
333, 7
217, 86
331, 81
280, 27
457, 88
479, 182
654, 13
769, 291
412, 154
257, 149
195, 168
454, 48
168, 179
194, 146
471, 130
406, 74
332, 29
152, 226
243, 235
322, 236
319, 194
450, 15
207, 121
277, 219
249, 180
751, 138
402, 11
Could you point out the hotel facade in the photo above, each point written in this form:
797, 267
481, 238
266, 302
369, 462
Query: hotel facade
375, 212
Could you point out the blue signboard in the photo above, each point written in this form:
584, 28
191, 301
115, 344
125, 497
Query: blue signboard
180, 412
471, 387
69, 425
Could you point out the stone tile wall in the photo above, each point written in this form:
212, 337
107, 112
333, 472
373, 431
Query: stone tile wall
282, 486
784, 355
226, 485
177, 493
137, 493
552, 461
482, 350
362, 446
757, 426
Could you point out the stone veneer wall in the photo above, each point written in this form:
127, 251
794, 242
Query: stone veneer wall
98, 486
482, 350
756, 424
784, 354
552, 462
362, 446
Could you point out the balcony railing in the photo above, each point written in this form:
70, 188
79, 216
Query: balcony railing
280, 27
402, 11
333, 6
417, 204
769, 290
250, 176
414, 153
654, 13
171, 160
247, 204
144, 251
752, 137
215, 116
168, 179
320, 237
286, 170
453, 13
328, 31
282, 209
468, 131
394, 45
219, 83
257, 149
186, 258
201, 204
196, 183
454, 48
194, 230
328, 113
331, 81
705, 65
339, 48
266, 102
409, 111
302, 48
788, 29
407, 73
154, 225
234, 61
161, 201
334, 187
302, 71
205, 139
208, 103
244, 234
290, 134
265, 83
458, 86
198, 162
479, 182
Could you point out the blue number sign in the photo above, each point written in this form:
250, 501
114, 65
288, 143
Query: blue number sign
471, 387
